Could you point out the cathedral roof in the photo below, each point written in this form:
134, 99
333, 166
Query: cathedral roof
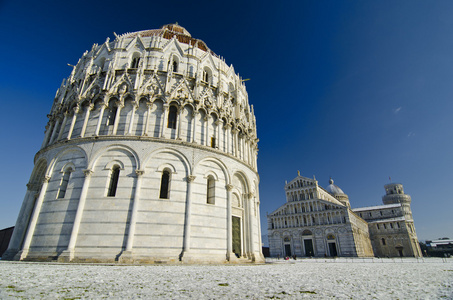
334, 189
168, 32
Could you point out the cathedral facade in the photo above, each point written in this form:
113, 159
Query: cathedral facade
149, 155
319, 222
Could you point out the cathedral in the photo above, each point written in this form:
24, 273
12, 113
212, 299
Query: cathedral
319, 222
149, 156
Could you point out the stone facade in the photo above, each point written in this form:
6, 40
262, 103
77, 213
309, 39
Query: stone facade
392, 230
149, 155
319, 222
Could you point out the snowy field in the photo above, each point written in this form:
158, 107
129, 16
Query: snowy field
308, 278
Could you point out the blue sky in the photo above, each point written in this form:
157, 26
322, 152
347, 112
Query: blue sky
357, 90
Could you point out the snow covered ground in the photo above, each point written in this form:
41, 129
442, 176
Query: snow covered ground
308, 278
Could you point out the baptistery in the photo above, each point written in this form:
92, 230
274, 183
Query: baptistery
149, 156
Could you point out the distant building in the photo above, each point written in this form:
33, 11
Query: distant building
320, 222
441, 247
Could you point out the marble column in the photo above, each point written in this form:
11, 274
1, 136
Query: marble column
101, 116
68, 254
178, 134
22, 221
194, 125
235, 141
206, 119
135, 205
63, 125
34, 219
117, 117
164, 120
74, 119
148, 115
186, 243
47, 135
55, 129
85, 121
228, 138
218, 123
230, 255
135, 105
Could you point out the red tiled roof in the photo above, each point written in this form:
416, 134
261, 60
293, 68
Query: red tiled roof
168, 32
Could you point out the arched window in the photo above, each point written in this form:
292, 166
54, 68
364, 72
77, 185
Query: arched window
383, 241
164, 185
210, 195
64, 183
135, 61
114, 176
112, 113
172, 117
175, 66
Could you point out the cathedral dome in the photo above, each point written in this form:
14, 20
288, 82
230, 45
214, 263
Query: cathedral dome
334, 189
149, 155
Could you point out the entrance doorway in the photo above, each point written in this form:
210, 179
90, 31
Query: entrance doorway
400, 250
236, 235
333, 249
287, 250
308, 245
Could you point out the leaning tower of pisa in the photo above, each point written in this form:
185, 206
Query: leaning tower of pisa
149, 155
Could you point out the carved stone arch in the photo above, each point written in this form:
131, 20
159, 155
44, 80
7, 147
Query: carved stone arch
190, 105
129, 97
221, 165
215, 114
113, 99
63, 152
85, 102
157, 99
203, 110
207, 74
242, 177
174, 58
166, 166
39, 172
307, 232
135, 58
176, 103
144, 98
113, 163
67, 166
104, 150
176, 153
98, 97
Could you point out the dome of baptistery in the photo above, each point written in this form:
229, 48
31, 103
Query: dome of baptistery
149, 156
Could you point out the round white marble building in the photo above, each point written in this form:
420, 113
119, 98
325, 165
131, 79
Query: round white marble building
149, 155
